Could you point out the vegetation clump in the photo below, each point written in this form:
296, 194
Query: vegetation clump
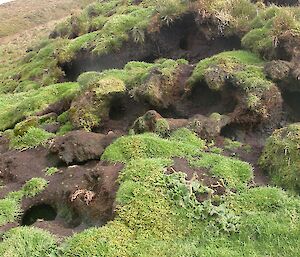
88, 109
27, 241
32, 138
281, 159
10, 209
241, 69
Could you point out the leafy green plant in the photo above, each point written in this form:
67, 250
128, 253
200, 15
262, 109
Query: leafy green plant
184, 193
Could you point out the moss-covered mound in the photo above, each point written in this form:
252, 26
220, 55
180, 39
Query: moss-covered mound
281, 157
242, 73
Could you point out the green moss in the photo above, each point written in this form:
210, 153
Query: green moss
67, 127
51, 171
9, 210
14, 107
235, 174
232, 145
88, 109
34, 186
241, 69
186, 136
22, 127
148, 146
32, 138
260, 42
27, 241
280, 158
268, 26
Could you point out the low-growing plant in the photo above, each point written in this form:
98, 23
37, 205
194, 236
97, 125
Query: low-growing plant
34, 186
32, 138
10, 210
51, 171
27, 241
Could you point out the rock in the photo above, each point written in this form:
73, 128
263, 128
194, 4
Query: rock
151, 121
278, 70
208, 127
4, 144
51, 127
80, 146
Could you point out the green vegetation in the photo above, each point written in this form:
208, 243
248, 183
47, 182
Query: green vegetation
232, 145
51, 171
14, 107
32, 138
268, 26
88, 109
27, 241
281, 159
149, 146
9, 210
10, 207
234, 173
242, 69
134, 73
34, 186
160, 211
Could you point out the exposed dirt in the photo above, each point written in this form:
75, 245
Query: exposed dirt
76, 197
181, 39
80, 146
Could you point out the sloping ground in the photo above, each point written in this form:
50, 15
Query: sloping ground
142, 128
19, 15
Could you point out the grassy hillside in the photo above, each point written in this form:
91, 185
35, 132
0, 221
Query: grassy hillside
20, 15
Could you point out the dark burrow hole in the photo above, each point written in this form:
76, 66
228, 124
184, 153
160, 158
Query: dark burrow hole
292, 105
206, 101
183, 38
117, 109
42, 211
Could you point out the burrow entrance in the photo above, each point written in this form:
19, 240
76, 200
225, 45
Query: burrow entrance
38, 212
292, 105
206, 101
184, 38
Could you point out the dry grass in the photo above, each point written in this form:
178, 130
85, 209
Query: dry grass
21, 15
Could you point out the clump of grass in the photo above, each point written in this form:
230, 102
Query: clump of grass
32, 138
27, 241
235, 174
89, 109
10, 206
149, 146
280, 158
34, 186
268, 26
14, 107
51, 171
10, 210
